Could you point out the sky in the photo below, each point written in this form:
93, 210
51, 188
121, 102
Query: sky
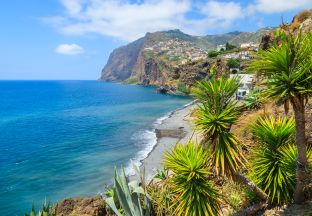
72, 39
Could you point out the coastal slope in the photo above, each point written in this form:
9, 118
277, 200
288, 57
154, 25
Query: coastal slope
158, 58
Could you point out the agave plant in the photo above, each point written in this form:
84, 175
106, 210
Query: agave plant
130, 194
275, 160
195, 192
46, 211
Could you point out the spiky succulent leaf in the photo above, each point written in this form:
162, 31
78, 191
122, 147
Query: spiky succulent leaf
275, 160
288, 67
195, 193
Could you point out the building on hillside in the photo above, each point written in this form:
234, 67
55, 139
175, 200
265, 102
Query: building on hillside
247, 82
249, 45
231, 56
220, 47
245, 45
244, 55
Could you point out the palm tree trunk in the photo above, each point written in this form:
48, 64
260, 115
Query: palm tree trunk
241, 179
302, 166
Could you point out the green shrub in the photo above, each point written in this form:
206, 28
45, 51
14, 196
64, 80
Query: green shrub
174, 58
213, 53
233, 63
183, 88
229, 46
162, 198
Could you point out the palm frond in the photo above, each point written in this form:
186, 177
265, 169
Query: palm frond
275, 160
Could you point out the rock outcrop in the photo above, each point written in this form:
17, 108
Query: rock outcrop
302, 22
82, 206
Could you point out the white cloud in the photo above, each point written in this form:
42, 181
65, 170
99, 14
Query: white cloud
69, 49
226, 11
128, 21
276, 6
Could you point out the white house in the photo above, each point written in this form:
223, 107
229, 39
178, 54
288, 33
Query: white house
246, 84
221, 46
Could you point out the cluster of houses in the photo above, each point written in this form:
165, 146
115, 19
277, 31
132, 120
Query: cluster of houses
243, 55
176, 47
247, 81
250, 46
185, 51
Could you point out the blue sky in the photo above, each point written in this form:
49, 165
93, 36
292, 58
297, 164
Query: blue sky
72, 39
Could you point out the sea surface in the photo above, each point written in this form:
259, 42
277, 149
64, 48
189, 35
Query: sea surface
63, 138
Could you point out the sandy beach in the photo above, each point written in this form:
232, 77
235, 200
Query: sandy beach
176, 128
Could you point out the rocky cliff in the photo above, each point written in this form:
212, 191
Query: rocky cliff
302, 22
161, 57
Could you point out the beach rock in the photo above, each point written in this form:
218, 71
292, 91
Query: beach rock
82, 206
174, 133
162, 90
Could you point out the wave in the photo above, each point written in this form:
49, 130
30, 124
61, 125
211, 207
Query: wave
147, 139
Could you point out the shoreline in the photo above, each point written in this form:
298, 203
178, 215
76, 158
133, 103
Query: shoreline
173, 129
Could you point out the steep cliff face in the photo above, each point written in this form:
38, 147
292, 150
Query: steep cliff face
121, 61
158, 58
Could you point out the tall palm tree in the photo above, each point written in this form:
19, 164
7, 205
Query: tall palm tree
288, 68
217, 112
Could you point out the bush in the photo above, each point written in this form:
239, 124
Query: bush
183, 88
213, 53
162, 198
195, 193
229, 46
233, 63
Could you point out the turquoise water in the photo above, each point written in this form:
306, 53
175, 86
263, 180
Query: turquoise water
63, 138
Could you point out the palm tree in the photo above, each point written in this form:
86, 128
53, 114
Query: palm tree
195, 192
288, 68
274, 160
217, 112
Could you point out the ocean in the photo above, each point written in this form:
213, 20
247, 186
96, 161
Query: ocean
63, 139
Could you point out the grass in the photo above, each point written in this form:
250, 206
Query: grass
237, 196
131, 80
